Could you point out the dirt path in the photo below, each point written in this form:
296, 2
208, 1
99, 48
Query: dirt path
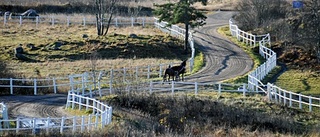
36, 106
224, 60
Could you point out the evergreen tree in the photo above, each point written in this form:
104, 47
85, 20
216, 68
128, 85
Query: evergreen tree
182, 12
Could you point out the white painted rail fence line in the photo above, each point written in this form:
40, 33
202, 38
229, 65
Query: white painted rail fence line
255, 77
52, 85
101, 116
4, 115
74, 20
273, 92
179, 32
291, 99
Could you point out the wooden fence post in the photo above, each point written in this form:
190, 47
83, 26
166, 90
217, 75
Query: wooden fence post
62, 125
47, 125
172, 87
111, 80
82, 123
74, 124
54, 85
116, 22
11, 86
17, 125
5, 19
219, 89
148, 76
150, 87
37, 21
124, 74
20, 20
160, 71
300, 104
52, 21
68, 21
143, 19
284, 98
196, 88
84, 21
132, 21
35, 86
89, 122
310, 103
290, 101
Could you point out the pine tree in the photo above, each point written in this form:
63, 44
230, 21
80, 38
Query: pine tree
182, 12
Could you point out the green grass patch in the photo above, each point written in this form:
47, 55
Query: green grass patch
271, 74
306, 83
198, 61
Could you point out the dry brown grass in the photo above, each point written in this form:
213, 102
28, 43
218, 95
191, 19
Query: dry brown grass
45, 34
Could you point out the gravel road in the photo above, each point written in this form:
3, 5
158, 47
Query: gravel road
224, 60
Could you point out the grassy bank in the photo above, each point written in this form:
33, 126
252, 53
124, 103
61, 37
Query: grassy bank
304, 82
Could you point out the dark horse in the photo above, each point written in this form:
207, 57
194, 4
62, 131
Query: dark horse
181, 69
170, 72
175, 71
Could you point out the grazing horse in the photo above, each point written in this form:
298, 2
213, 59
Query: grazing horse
170, 72
181, 69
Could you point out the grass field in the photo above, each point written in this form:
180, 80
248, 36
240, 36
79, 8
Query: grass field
306, 83
73, 53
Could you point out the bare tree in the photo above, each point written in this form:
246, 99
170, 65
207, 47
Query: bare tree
105, 11
255, 13
134, 8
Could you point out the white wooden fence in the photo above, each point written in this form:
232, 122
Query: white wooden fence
255, 77
4, 115
273, 92
103, 78
101, 115
75, 20
179, 32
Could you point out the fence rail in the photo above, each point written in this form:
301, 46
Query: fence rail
71, 20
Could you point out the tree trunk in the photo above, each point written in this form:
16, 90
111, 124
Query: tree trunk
186, 38
108, 25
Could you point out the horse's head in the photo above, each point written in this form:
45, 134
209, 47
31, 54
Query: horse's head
184, 63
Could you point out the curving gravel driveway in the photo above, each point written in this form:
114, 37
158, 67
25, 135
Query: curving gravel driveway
224, 60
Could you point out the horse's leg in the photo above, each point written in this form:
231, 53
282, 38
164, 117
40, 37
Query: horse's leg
182, 76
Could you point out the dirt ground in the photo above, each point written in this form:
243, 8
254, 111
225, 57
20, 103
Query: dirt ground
35, 106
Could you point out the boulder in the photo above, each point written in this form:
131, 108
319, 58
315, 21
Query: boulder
133, 36
18, 50
85, 36
31, 46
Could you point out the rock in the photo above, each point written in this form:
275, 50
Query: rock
21, 57
85, 36
55, 46
133, 36
19, 50
31, 46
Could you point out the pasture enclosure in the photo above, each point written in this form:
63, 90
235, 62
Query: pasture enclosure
85, 86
